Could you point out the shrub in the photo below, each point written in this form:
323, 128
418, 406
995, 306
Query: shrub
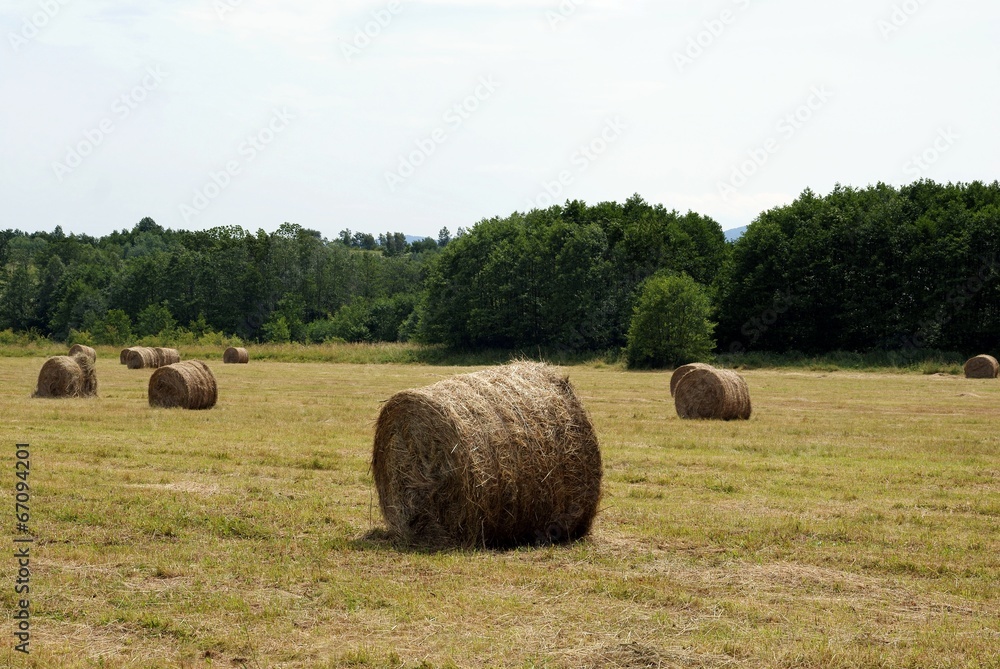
155, 319
115, 328
78, 337
276, 330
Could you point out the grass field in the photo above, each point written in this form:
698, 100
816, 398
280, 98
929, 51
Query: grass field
854, 521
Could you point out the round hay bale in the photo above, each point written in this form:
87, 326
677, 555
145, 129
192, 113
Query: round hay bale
123, 356
982, 367
141, 357
167, 356
679, 373
188, 385
80, 348
498, 458
60, 376
236, 356
719, 394
88, 374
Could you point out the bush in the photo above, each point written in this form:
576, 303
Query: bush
276, 330
77, 337
219, 339
670, 324
115, 328
8, 338
322, 331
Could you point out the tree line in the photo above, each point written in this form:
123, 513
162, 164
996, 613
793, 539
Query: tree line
914, 267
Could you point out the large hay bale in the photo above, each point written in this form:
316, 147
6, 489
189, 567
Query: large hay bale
88, 374
236, 356
141, 357
498, 458
188, 385
60, 376
86, 350
719, 394
167, 356
679, 373
982, 367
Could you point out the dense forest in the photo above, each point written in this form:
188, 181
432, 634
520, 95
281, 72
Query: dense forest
879, 268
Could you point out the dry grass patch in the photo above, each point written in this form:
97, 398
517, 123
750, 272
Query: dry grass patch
852, 522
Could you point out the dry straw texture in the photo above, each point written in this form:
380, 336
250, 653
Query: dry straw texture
141, 357
167, 356
123, 356
188, 385
982, 367
80, 348
679, 373
88, 373
498, 458
62, 376
719, 394
236, 356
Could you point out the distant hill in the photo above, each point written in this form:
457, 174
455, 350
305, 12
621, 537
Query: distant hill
735, 233
412, 238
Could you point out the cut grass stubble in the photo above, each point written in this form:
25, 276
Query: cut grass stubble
853, 521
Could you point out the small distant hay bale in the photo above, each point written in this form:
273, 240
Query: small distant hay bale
982, 367
80, 348
498, 458
123, 356
141, 357
188, 385
679, 373
167, 356
60, 376
718, 394
236, 356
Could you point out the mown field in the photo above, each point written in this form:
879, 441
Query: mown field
854, 521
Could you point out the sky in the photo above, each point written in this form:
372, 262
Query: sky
412, 116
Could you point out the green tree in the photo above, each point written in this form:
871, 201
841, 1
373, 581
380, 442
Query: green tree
115, 328
670, 324
350, 323
19, 298
393, 244
276, 329
290, 308
423, 245
155, 319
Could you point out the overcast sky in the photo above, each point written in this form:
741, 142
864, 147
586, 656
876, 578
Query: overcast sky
414, 115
